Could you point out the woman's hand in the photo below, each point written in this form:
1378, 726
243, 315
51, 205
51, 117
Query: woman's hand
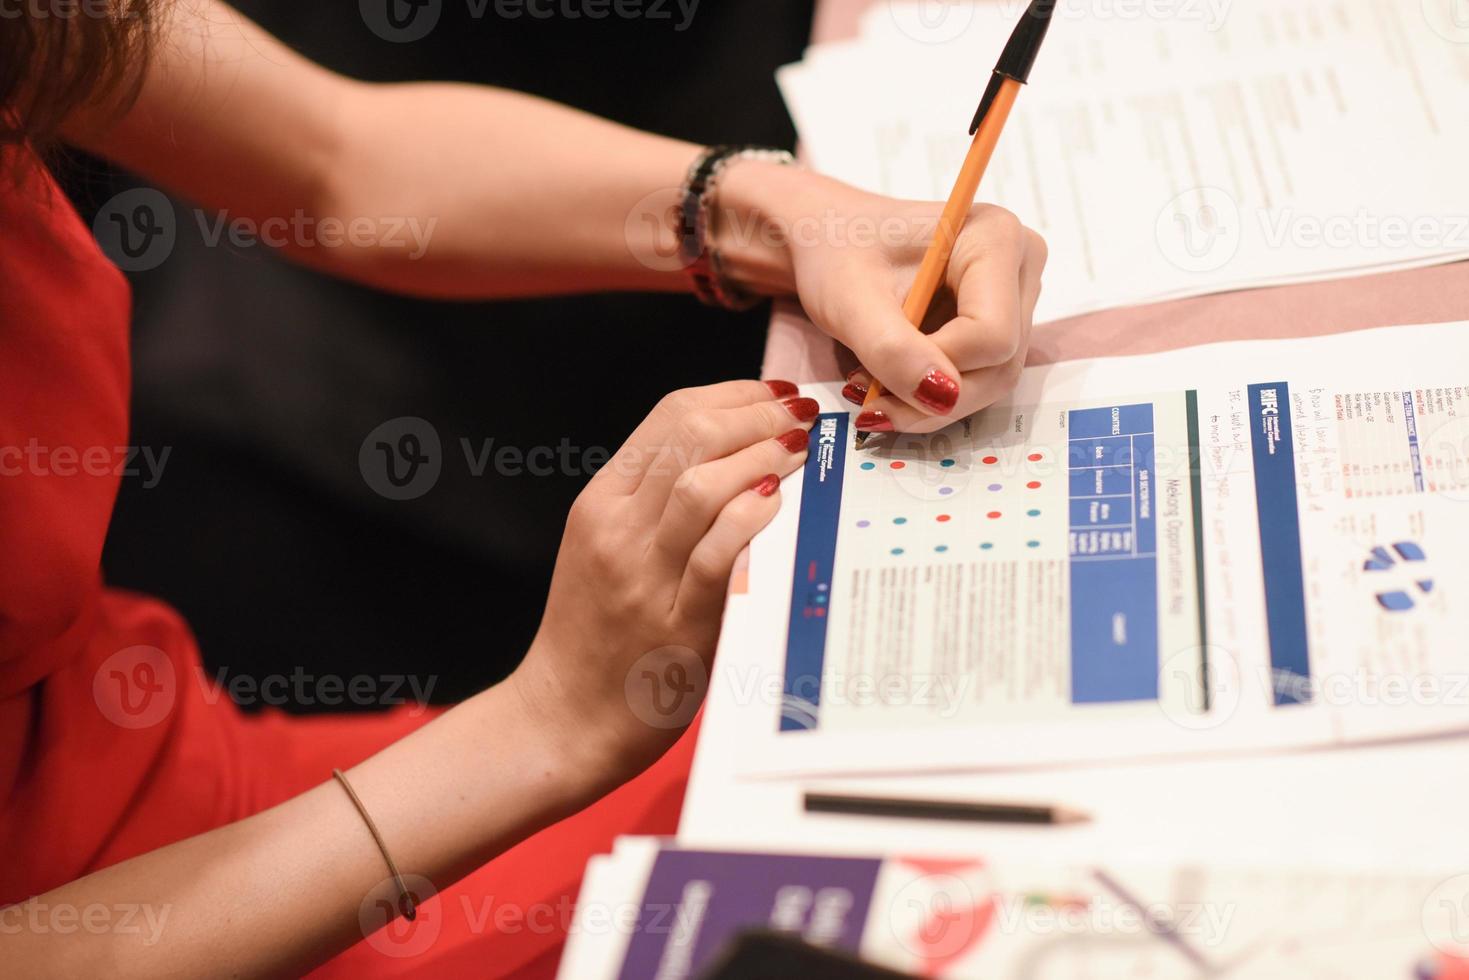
852, 256
622, 658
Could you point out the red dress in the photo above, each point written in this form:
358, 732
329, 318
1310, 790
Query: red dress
111, 744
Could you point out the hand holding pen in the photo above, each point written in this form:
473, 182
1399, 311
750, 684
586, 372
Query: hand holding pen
991, 358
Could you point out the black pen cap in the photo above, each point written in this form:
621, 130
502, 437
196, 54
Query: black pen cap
1019, 55
1025, 43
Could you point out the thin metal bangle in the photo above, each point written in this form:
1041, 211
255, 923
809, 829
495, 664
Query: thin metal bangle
406, 905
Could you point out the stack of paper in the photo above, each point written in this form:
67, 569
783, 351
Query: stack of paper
1169, 148
652, 910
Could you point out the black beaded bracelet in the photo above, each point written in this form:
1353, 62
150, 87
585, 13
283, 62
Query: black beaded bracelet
699, 257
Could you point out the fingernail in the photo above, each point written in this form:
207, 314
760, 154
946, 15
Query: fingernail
855, 393
795, 440
938, 392
782, 389
767, 486
804, 409
874, 422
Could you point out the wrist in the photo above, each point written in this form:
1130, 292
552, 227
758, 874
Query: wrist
583, 759
751, 225
547, 742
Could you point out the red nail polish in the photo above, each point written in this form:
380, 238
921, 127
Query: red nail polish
874, 422
804, 409
938, 392
795, 441
855, 393
767, 486
782, 389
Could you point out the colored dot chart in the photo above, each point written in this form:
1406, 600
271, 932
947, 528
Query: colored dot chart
1016, 550
962, 493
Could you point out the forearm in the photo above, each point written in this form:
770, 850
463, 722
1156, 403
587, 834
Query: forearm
281, 891
523, 196
434, 189
512, 195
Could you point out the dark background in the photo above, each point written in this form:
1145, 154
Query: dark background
264, 380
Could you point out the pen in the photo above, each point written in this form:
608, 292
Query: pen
974, 812
1011, 72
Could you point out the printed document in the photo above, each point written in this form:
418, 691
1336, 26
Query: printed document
1251, 545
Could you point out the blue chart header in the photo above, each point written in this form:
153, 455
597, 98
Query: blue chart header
1280, 541
816, 543
1113, 543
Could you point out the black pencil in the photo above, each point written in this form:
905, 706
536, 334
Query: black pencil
975, 812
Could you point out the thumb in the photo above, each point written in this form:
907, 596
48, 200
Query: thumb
909, 364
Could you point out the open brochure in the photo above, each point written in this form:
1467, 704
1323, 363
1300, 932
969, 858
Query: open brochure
1253, 545
651, 910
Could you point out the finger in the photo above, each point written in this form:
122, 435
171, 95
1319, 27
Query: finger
982, 388
1031, 268
904, 359
706, 435
985, 274
624, 471
858, 383
702, 492
705, 581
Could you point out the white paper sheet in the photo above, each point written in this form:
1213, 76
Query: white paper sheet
1182, 149
1022, 589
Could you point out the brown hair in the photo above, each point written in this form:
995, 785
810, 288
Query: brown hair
59, 56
